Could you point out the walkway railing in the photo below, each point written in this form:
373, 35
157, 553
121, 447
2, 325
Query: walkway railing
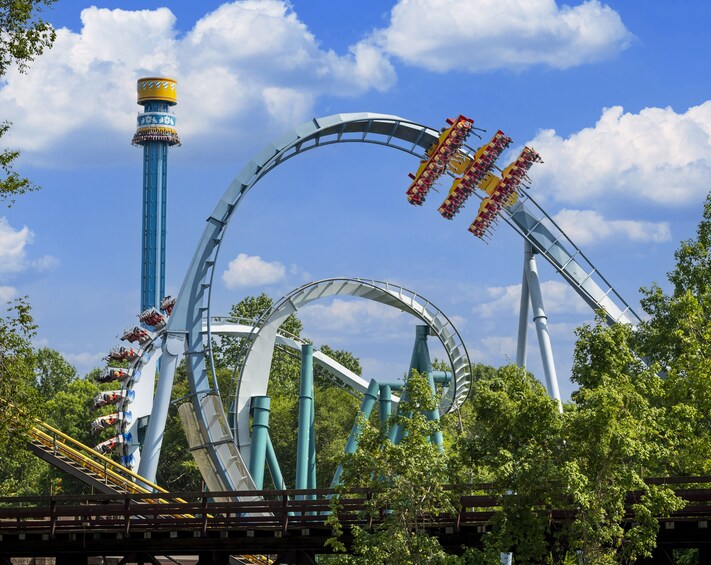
274, 510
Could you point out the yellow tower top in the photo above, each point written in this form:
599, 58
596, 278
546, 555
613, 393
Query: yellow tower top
157, 88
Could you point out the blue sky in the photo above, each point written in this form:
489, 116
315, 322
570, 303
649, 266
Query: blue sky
614, 96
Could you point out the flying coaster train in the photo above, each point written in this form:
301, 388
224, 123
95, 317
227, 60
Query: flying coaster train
471, 171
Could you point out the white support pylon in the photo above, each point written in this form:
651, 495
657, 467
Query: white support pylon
531, 289
522, 343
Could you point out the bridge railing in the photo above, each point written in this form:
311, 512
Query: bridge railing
276, 510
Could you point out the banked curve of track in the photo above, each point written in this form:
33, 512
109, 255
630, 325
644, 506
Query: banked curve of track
185, 336
259, 348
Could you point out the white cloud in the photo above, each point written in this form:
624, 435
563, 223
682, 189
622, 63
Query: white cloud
248, 270
13, 251
443, 35
500, 346
656, 155
587, 226
248, 61
12, 247
84, 361
46, 263
7, 293
374, 368
298, 272
460, 322
558, 298
342, 314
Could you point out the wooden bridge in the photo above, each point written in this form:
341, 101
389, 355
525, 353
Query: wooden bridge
287, 525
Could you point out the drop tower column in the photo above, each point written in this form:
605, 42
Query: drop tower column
155, 132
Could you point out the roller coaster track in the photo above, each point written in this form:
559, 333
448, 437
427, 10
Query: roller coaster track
185, 333
258, 349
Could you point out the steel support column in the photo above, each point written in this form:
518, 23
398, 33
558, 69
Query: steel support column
366, 408
312, 443
274, 469
173, 347
433, 415
522, 343
260, 435
386, 402
541, 321
419, 361
306, 400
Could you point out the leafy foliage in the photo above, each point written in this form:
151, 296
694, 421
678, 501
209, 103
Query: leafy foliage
24, 36
408, 482
17, 361
677, 336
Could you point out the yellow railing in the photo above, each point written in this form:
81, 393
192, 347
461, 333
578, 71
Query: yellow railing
89, 459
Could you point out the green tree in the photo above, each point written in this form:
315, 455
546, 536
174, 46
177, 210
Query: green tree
515, 441
676, 336
285, 367
52, 372
408, 482
19, 471
24, 36
17, 360
617, 436
587, 460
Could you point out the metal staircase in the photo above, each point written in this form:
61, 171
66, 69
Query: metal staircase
81, 461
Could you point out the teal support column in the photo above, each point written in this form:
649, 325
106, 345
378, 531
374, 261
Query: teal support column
274, 469
312, 444
260, 436
420, 360
366, 408
396, 432
386, 405
441, 377
433, 415
305, 416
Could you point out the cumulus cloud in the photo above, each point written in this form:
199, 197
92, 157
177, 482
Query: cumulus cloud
443, 35
657, 155
84, 360
248, 61
500, 346
343, 314
46, 263
13, 256
13, 252
587, 226
7, 293
251, 270
558, 298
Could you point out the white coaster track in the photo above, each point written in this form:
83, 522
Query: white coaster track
185, 334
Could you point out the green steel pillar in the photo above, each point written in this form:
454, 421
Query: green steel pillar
306, 400
386, 404
420, 361
433, 415
396, 432
366, 408
260, 437
274, 469
312, 444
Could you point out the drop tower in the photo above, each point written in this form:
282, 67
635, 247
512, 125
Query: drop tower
155, 132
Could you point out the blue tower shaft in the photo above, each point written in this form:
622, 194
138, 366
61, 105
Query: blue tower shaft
155, 190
